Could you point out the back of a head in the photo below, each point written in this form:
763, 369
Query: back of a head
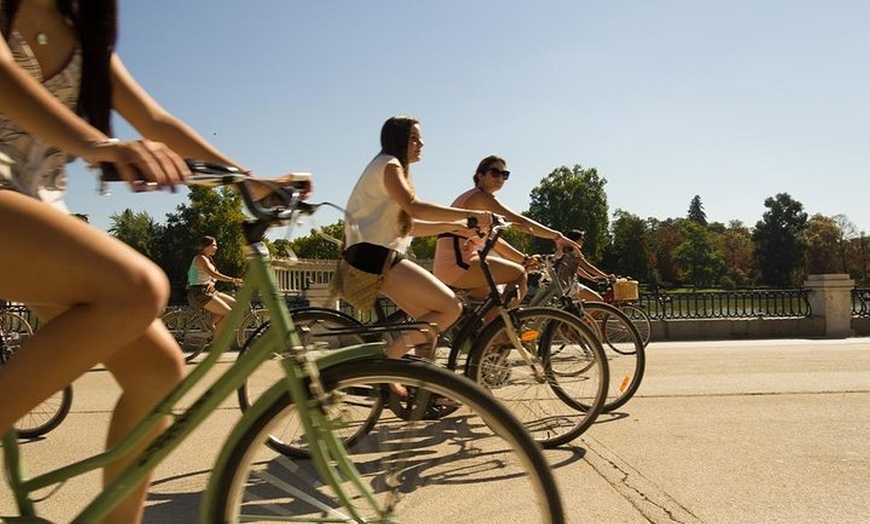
576, 235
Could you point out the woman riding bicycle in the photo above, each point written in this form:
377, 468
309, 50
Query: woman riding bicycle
576, 265
201, 277
456, 261
383, 213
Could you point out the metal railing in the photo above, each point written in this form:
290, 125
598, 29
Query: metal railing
861, 302
766, 303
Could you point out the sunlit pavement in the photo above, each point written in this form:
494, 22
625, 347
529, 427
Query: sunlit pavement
720, 432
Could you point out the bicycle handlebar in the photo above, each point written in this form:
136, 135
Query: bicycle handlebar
281, 204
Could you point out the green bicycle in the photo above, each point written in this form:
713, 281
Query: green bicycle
403, 470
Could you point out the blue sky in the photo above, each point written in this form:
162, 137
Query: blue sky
733, 101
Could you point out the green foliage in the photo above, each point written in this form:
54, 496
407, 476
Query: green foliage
702, 263
629, 253
735, 244
780, 246
823, 238
316, 246
572, 198
137, 230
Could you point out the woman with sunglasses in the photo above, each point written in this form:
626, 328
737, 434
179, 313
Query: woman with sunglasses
456, 261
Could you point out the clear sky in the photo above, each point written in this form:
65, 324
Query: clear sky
734, 101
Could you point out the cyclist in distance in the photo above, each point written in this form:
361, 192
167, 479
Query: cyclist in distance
383, 213
576, 264
456, 261
99, 301
201, 277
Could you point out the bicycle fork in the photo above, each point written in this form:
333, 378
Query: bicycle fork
532, 360
327, 452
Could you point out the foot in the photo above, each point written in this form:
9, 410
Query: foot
445, 402
399, 390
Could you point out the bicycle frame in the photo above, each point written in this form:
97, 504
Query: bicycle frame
329, 457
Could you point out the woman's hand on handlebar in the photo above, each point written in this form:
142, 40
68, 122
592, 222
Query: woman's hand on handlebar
263, 188
144, 164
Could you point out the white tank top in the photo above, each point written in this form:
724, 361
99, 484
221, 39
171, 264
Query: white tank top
372, 216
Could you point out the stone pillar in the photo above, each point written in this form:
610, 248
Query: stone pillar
830, 297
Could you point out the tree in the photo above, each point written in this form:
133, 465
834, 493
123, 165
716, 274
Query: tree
667, 235
317, 246
780, 248
696, 254
696, 211
822, 236
572, 198
137, 230
629, 253
735, 244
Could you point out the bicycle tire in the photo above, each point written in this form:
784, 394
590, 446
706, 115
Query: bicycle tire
566, 398
640, 319
250, 324
361, 408
189, 330
482, 449
624, 349
49, 414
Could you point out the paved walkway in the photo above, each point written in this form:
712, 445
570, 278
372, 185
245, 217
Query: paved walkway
721, 432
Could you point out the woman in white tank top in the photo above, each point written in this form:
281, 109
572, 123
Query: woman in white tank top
383, 213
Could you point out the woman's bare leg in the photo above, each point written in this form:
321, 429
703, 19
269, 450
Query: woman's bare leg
103, 298
425, 298
418, 293
220, 306
503, 272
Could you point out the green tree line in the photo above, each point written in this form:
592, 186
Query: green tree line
780, 250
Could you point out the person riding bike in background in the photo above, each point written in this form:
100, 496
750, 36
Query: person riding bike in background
575, 264
201, 292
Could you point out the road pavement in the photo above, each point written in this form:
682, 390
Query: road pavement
733, 432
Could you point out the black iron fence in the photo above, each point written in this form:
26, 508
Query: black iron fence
861, 302
662, 305
767, 303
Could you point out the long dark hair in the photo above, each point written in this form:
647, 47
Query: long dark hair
96, 26
395, 137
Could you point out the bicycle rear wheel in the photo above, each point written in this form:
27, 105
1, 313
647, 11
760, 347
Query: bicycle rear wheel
560, 399
419, 470
190, 331
361, 407
48, 415
624, 349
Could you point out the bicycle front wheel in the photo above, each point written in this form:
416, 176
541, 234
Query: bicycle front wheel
360, 409
559, 395
624, 349
419, 470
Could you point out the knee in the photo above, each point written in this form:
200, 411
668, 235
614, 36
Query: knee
451, 313
147, 287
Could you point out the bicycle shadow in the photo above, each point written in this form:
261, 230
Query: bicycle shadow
454, 452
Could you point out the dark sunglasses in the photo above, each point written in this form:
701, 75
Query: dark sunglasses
496, 172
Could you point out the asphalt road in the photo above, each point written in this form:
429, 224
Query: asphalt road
720, 432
